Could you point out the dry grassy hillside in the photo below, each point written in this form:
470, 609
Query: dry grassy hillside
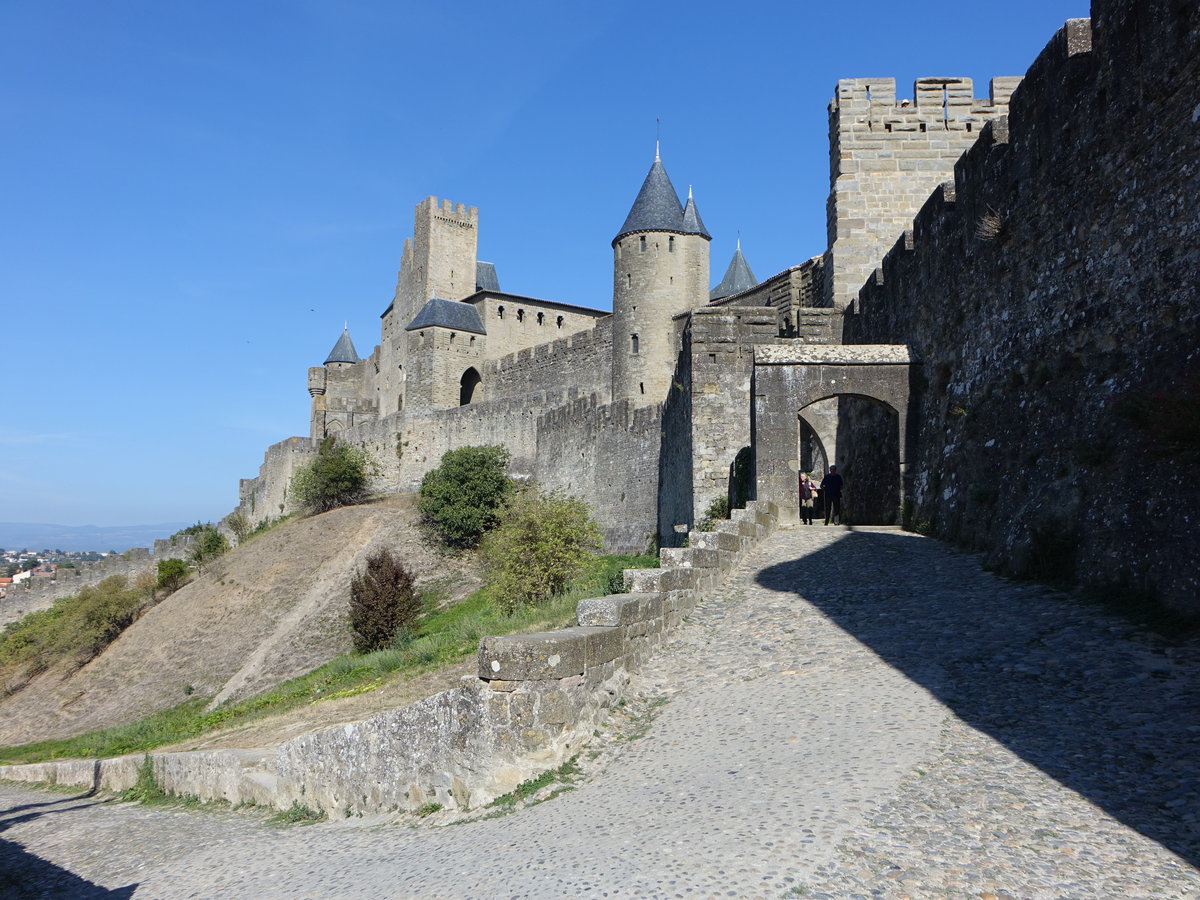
261, 614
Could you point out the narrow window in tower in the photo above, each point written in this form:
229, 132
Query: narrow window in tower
642, 243
642, 386
540, 318
672, 279
628, 280
560, 322
633, 344
670, 245
500, 311
520, 315
472, 340
452, 339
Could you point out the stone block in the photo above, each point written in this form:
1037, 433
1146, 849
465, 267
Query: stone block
643, 581
603, 644
524, 657
615, 609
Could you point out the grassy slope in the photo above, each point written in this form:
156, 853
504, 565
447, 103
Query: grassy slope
445, 636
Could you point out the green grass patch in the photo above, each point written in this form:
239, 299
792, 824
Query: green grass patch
564, 774
297, 814
442, 637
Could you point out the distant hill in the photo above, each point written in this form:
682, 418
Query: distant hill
40, 536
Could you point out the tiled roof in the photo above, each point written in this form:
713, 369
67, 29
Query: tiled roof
657, 206
343, 350
448, 314
692, 223
738, 277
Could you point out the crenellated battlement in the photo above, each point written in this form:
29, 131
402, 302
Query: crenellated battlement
886, 155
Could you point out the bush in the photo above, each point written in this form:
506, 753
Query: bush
542, 542
171, 573
337, 477
717, 510
461, 498
239, 523
382, 602
210, 544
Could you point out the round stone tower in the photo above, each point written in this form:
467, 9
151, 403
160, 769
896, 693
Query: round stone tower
660, 269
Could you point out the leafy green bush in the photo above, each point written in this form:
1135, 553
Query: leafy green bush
382, 602
171, 573
210, 544
337, 477
541, 543
461, 498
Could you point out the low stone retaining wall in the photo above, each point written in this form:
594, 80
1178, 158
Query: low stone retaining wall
535, 701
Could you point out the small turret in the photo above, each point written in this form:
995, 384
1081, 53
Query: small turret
738, 277
343, 351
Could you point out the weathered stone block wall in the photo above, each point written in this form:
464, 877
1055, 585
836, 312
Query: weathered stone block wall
1051, 288
577, 365
606, 454
517, 323
722, 343
535, 701
885, 158
265, 496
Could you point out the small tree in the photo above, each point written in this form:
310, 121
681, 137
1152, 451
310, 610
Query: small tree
210, 544
337, 477
461, 498
541, 543
171, 573
239, 523
382, 601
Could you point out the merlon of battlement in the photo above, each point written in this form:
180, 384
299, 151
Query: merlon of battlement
943, 94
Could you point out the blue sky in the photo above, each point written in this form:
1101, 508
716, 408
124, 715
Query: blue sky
197, 195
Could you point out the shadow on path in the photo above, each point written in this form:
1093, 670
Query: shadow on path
1110, 712
26, 876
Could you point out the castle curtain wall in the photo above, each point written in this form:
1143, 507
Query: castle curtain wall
1051, 294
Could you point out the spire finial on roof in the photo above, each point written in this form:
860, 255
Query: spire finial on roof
657, 139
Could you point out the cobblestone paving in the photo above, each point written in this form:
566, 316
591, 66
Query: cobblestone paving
859, 713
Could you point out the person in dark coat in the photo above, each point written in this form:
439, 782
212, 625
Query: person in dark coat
831, 493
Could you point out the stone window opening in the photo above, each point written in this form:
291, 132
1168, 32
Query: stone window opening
633, 344
500, 312
540, 318
452, 336
520, 315
628, 280
642, 386
642, 243
559, 322
670, 245
472, 343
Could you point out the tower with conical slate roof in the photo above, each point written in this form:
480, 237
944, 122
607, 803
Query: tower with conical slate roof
660, 269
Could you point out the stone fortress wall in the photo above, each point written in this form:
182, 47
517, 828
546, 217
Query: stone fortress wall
36, 594
1050, 290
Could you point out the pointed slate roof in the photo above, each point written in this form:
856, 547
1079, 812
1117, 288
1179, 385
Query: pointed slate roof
448, 314
738, 277
343, 350
657, 207
692, 223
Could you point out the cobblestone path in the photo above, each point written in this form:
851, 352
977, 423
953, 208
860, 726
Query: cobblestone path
857, 714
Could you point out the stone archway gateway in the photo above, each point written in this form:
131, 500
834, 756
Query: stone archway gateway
789, 379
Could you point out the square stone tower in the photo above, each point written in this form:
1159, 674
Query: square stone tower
885, 159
